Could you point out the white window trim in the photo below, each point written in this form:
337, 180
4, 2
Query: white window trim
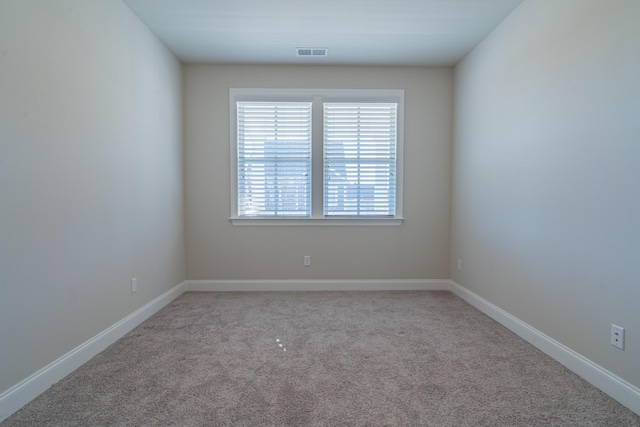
317, 96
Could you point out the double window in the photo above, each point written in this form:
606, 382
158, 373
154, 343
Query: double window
316, 157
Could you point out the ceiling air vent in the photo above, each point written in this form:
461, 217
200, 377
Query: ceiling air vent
311, 51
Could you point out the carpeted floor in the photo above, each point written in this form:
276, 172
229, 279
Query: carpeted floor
322, 359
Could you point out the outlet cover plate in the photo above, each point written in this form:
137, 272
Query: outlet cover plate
617, 336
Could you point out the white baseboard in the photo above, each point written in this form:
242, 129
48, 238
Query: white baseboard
619, 389
318, 285
22, 393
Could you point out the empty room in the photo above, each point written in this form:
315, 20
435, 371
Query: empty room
335, 213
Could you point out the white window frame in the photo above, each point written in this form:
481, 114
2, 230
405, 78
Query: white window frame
317, 97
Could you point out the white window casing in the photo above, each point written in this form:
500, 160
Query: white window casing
316, 157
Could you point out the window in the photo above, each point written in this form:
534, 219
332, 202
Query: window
316, 157
360, 159
274, 159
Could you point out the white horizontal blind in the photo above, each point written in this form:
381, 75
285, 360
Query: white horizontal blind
360, 159
274, 159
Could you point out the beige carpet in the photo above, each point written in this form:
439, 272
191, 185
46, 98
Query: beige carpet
347, 359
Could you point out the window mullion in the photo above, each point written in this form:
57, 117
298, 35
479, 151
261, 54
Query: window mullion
317, 172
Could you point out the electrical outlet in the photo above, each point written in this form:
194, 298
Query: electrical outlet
134, 285
617, 336
307, 260
459, 265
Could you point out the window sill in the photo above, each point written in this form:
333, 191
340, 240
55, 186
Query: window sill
317, 222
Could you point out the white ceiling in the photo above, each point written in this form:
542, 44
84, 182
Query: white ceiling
387, 32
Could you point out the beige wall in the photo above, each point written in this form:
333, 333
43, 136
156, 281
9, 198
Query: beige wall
90, 175
419, 249
546, 198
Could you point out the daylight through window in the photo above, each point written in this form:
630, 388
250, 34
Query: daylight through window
316, 155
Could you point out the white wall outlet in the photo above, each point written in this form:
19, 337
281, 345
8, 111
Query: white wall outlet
459, 265
617, 336
307, 260
134, 285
